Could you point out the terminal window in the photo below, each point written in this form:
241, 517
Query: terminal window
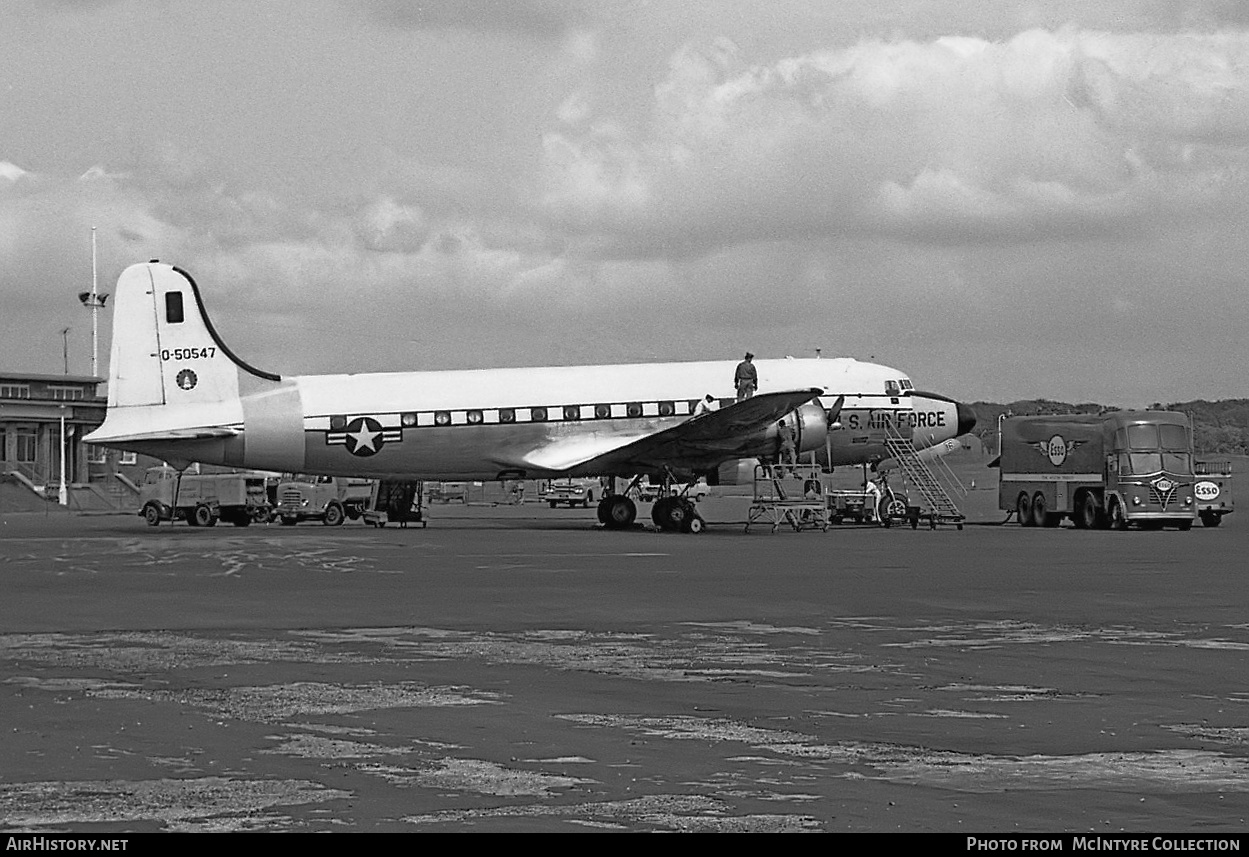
26, 446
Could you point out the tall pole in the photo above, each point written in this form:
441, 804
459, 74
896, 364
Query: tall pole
65, 348
93, 300
63, 494
95, 315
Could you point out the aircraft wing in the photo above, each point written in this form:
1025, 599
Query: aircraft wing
697, 442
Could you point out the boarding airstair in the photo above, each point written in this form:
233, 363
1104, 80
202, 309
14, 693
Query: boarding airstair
941, 509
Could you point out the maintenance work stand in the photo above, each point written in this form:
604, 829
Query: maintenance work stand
791, 494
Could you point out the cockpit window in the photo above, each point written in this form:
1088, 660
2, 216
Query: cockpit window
907, 385
173, 308
892, 388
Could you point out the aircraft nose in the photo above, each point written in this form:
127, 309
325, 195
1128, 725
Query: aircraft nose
966, 418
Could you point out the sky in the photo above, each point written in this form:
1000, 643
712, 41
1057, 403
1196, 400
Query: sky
1003, 200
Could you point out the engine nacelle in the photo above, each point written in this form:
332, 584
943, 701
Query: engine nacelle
811, 428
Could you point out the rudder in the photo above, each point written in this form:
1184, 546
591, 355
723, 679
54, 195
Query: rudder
165, 350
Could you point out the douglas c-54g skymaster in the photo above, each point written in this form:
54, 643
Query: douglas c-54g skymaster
178, 393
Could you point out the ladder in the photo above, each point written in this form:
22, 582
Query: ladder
941, 508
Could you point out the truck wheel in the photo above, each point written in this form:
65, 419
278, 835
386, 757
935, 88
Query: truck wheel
204, 516
1118, 518
1208, 519
1185, 525
552, 503
334, 515
1088, 512
151, 514
1023, 509
1040, 510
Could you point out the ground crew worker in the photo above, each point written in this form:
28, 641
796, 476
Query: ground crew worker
706, 405
871, 501
746, 378
789, 450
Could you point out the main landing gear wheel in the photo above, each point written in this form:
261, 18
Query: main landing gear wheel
617, 512
668, 514
676, 515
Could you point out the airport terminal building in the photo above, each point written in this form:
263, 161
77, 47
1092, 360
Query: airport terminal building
40, 415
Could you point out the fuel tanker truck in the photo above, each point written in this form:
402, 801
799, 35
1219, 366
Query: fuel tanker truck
1109, 470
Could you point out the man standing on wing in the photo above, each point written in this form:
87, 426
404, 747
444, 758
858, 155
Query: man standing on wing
746, 378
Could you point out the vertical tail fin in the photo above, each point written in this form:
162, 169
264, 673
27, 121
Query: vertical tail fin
165, 350
169, 369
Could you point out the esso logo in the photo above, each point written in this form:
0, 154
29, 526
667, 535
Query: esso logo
1206, 490
1056, 450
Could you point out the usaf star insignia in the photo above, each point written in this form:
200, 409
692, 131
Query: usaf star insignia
363, 436
186, 379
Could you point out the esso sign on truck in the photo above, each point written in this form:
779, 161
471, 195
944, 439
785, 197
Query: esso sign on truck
1213, 491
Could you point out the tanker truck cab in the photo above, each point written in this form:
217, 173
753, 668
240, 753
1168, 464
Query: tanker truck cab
1150, 473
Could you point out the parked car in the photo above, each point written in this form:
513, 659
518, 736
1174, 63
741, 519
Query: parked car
447, 492
571, 491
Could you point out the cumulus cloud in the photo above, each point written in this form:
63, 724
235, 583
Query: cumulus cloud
1045, 133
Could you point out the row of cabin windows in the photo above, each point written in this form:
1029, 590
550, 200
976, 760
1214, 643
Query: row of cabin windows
570, 413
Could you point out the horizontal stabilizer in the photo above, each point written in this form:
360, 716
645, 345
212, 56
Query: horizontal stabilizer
204, 433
